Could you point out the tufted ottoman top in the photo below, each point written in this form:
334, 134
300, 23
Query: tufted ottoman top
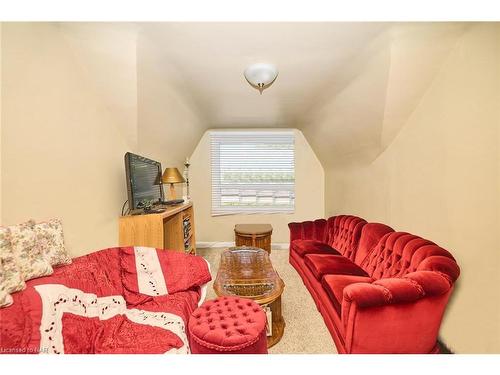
227, 323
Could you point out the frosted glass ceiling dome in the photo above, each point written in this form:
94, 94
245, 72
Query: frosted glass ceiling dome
261, 75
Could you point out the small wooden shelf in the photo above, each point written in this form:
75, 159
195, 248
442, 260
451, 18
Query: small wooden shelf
163, 230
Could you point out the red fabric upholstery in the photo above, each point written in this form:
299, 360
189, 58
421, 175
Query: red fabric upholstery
399, 253
334, 286
323, 264
391, 300
344, 232
406, 289
393, 328
308, 230
370, 235
323, 303
341, 233
303, 247
228, 325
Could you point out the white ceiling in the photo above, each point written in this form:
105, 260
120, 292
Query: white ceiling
348, 86
211, 58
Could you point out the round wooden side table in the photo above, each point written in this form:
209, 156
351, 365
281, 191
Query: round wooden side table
255, 235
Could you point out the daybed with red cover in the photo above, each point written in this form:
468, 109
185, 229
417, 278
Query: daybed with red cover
379, 291
117, 300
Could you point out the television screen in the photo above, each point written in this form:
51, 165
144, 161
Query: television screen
143, 180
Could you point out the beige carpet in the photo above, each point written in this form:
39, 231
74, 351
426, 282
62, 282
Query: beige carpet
305, 330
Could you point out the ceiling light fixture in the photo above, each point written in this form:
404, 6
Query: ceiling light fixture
261, 75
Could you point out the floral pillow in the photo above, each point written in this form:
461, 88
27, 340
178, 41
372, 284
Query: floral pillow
28, 253
5, 298
50, 237
11, 279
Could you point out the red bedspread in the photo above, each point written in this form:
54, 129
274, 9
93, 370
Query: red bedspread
117, 300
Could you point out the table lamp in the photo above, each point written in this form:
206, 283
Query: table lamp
172, 176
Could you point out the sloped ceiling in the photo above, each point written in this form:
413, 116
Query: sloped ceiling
213, 56
417, 54
348, 86
353, 122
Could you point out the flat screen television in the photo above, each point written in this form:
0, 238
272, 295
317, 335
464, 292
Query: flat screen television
143, 180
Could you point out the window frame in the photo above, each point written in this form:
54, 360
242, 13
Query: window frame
218, 138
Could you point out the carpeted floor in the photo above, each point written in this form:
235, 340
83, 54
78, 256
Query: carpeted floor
305, 331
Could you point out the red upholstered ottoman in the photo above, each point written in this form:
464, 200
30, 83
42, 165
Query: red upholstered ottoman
228, 325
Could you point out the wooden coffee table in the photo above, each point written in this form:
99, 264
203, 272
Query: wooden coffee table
247, 272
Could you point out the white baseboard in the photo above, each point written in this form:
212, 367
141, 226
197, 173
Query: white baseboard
280, 245
207, 245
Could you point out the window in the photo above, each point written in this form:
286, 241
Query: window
253, 172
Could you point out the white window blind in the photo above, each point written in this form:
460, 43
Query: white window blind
253, 172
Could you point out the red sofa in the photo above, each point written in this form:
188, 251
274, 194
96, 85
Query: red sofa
379, 291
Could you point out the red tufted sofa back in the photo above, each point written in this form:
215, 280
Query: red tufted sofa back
343, 233
399, 253
370, 236
314, 230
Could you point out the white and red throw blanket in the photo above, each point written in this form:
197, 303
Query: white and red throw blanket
117, 300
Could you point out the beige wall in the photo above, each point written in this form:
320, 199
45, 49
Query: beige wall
1, 122
309, 195
169, 121
439, 178
62, 150
63, 129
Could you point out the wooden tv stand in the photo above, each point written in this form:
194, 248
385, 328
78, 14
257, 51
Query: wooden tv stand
163, 230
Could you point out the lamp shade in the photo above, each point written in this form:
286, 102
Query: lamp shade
261, 75
172, 176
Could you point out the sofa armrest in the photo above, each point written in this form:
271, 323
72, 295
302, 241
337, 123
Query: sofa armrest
443, 265
308, 230
388, 315
409, 288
